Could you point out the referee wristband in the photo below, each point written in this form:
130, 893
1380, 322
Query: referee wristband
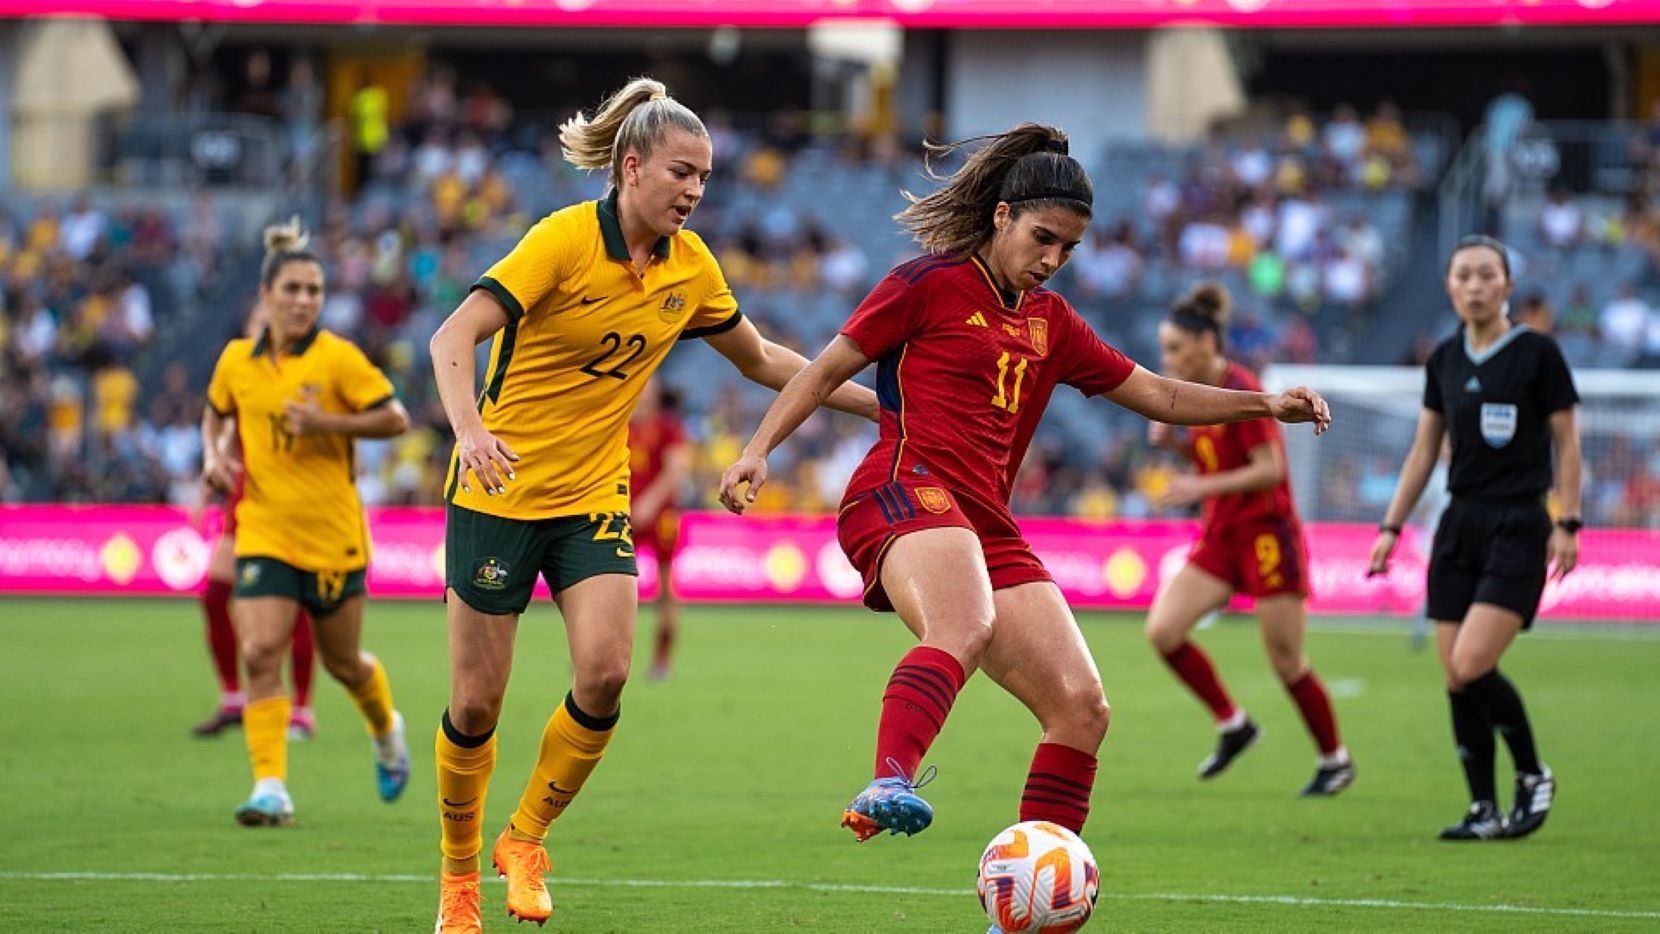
1391, 529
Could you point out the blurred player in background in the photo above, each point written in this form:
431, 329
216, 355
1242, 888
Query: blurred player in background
1502, 393
583, 311
1251, 542
659, 460
299, 397
216, 610
969, 348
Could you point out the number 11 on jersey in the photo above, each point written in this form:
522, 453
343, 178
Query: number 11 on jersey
1011, 401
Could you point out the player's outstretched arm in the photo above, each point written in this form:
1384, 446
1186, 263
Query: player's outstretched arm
1178, 402
1415, 471
773, 365
806, 391
383, 421
454, 370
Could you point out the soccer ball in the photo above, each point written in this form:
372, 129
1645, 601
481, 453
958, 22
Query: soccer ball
1038, 877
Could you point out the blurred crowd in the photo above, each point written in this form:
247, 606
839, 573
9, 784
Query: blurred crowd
100, 399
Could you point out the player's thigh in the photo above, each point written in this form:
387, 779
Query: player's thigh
937, 581
1481, 640
339, 632
1038, 654
1284, 622
481, 659
599, 614
1180, 604
222, 566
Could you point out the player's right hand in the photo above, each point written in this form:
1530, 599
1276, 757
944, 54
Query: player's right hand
748, 469
487, 458
220, 472
1382, 548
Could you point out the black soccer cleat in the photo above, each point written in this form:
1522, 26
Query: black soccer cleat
1534, 795
1329, 780
223, 719
1482, 822
1229, 745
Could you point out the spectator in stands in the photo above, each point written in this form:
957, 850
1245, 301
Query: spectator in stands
1344, 138
82, 229
371, 129
1534, 311
1625, 323
1561, 222
1111, 264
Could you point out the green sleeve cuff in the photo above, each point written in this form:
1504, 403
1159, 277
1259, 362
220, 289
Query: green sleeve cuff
713, 329
515, 311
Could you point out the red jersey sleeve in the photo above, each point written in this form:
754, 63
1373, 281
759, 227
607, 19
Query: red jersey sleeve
1088, 363
888, 317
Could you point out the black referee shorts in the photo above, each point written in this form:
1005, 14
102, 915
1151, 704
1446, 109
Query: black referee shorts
1489, 551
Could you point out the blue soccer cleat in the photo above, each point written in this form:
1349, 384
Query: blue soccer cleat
266, 808
392, 761
890, 804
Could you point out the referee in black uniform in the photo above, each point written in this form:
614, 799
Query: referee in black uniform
1503, 394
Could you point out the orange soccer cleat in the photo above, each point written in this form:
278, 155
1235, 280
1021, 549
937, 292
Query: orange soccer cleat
522, 863
460, 907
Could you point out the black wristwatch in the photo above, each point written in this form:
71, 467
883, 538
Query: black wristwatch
1571, 525
1394, 530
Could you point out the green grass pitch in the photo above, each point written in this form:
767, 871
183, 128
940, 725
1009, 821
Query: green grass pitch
717, 807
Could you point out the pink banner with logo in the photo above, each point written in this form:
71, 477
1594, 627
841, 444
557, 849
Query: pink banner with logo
146, 550
980, 14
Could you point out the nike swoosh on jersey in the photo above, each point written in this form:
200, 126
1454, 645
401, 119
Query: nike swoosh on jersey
593, 301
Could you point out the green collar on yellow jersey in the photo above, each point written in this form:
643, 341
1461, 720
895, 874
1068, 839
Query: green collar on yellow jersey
300, 346
610, 229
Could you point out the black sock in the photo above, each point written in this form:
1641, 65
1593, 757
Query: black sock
1473, 733
1509, 717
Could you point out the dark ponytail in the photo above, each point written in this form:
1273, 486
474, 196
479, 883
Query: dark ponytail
1204, 309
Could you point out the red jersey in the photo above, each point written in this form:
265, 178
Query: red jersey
964, 372
1219, 448
648, 443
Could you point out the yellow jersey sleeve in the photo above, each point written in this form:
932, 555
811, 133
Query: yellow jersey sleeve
219, 388
718, 311
534, 268
361, 384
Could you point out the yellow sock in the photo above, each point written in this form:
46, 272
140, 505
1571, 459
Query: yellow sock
374, 698
464, 767
265, 726
572, 744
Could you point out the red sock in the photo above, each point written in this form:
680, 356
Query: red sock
665, 642
1193, 666
304, 655
221, 635
914, 707
1315, 707
1058, 786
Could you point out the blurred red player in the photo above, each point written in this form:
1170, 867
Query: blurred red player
221, 635
659, 461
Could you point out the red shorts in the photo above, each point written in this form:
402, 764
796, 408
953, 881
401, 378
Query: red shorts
659, 534
871, 520
1261, 558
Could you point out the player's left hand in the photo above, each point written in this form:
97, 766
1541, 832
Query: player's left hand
1301, 404
304, 418
1184, 490
1562, 554
748, 469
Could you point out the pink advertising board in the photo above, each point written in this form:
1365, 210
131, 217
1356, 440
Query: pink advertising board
146, 550
983, 14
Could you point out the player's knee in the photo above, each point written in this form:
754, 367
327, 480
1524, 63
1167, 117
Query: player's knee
477, 714
1093, 715
1163, 638
1462, 671
1287, 662
261, 654
347, 669
600, 687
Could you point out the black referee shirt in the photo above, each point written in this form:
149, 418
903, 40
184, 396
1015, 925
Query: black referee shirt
1497, 405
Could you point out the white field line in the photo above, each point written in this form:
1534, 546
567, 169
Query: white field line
1292, 901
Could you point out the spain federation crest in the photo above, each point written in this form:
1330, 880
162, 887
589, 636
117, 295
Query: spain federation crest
933, 499
1038, 330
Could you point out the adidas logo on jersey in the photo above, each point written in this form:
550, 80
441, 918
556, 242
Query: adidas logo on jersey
978, 320
1474, 385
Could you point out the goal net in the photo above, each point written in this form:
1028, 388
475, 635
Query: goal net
1348, 475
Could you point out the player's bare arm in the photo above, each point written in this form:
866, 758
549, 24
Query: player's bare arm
1563, 551
773, 365
1415, 471
1178, 402
382, 421
454, 370
805, 392
1266, 468
219, 466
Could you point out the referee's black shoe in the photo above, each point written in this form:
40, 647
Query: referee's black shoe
1329, 780
1534, 795
1229, 744
1482, 822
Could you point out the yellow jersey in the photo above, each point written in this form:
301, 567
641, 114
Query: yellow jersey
584, 333
299, 503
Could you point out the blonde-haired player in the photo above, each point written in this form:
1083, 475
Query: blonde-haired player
583, 311
299, 396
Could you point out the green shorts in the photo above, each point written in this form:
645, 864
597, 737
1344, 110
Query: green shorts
491, 563
321, 594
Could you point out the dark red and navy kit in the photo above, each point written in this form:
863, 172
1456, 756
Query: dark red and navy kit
1253, 541
964, 372
648, 445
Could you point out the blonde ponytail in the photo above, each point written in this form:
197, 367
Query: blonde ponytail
284, 243
636, 118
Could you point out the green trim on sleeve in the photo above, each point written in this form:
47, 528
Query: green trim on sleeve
713, 329
386, 400
515, 311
